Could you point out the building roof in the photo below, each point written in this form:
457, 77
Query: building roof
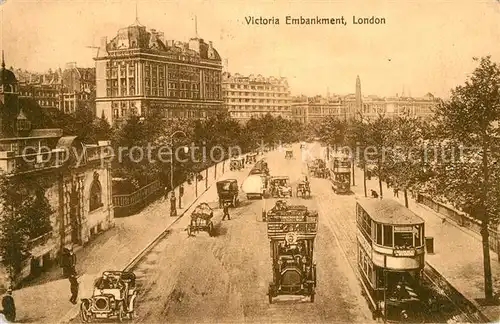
388, 211
6, 76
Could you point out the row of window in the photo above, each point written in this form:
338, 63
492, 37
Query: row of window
252, 87
270, 108
258, 101
391, 236
254, 94
250, 114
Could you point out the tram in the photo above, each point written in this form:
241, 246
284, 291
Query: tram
340, 173
391, 259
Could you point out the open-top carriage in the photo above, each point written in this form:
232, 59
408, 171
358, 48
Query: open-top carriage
280, 187
303, 189
237, 163
227, 191
251, 158
201, 220
113, 296
317, 168
291, 231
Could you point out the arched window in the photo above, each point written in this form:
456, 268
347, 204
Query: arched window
95, 193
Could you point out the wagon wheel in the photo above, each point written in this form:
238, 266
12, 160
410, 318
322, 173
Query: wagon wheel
84, 312
313, 293
189, 230
121, 312
270, 294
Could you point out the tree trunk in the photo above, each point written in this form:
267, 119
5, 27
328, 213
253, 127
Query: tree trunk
406, 198
488, 283
364, 178
380, 179
353, 177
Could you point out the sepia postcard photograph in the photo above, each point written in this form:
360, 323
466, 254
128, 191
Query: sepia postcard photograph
249, 161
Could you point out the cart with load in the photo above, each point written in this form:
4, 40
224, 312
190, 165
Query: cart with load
291, 231
251, 158
201, 220
236, 163
303, 189
227, 191
280, 187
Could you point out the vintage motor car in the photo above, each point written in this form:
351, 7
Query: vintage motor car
280, 187
303, 189
114, 296
291, 231
255, 186
201, 220
227, 191
236, 163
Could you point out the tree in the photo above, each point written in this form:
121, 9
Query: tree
406, 164
355, 138
378, 141
24, 215
469, 123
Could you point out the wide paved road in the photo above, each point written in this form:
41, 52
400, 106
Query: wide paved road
224, 279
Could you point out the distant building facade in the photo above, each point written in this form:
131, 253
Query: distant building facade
139, 73
254, 96
68, 90
314, 109
78, 175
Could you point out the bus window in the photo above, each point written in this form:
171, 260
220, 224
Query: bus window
387, 235
403, 240
379, 234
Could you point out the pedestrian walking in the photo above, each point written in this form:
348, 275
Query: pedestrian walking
173, 209
396, 192
73, 280
181, 193
68, 262
165, 193
9, 306
226, 211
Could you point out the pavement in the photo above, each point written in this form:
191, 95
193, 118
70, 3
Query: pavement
46, 300
458, 252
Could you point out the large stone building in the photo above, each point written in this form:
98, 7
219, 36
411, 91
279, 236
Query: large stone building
78, 175
315, 109
68, 90
139, 73
78, 88
254, 96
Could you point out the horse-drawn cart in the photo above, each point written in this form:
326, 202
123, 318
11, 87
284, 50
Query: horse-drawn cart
201, 220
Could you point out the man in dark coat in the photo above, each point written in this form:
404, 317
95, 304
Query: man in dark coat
226, 211
173, 209
68, 262
9, 307
73, 280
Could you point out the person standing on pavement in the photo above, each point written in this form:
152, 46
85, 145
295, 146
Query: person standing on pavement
226, 211
173, 209
181, 193
9, 306
396, 192
73, 280
68, 262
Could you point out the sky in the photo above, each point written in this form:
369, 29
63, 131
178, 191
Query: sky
425, 46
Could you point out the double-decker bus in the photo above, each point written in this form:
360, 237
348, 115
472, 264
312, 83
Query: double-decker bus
340, 173
391, 258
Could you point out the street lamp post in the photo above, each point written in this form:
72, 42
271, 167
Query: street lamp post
173, 209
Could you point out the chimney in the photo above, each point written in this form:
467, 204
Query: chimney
104, 43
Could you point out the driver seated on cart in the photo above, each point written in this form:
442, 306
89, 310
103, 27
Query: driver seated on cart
400, 292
